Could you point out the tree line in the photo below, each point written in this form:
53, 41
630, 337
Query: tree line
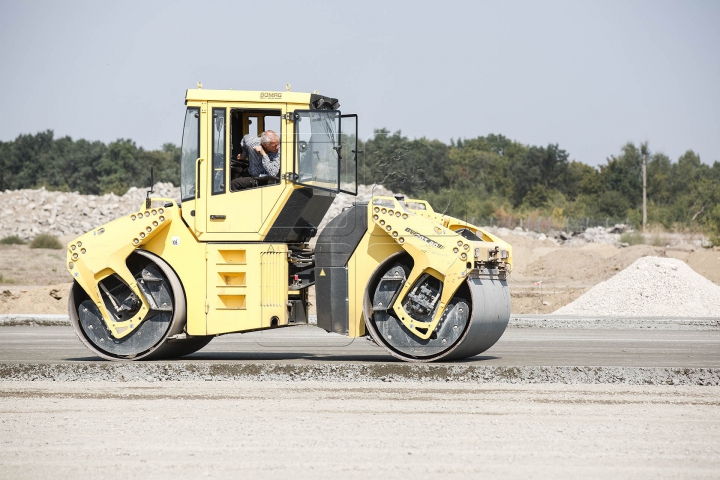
90, 168
492, 176
479, 178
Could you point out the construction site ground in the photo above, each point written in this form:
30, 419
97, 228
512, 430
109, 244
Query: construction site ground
556, 397
302, 403
275, 429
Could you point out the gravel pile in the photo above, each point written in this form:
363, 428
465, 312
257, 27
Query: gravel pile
651, 287
27, 213
591, 235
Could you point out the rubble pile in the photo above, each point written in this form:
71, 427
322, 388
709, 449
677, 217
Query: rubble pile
610, 236
591, 235
595, 235
28, 213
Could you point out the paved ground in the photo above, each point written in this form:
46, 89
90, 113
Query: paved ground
370, 417
517, 347
349, 430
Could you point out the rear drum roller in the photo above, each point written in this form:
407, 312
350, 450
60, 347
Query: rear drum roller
180, 348
166, 318
475, 318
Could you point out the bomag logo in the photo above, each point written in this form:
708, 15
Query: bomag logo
271, 95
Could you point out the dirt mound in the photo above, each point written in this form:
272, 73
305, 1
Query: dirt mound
651, 287
22, 265
587, 264
52, 299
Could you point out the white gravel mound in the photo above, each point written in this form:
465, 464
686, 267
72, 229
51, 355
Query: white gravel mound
650, 287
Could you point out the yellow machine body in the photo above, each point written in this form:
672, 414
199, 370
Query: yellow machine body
227, 261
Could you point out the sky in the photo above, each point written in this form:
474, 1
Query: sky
589, 76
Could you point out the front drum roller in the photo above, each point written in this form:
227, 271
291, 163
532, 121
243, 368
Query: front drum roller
153, 338
475, 318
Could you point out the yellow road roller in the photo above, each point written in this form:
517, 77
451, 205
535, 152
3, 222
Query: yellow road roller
164, 280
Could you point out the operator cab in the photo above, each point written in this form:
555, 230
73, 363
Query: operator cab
318, 159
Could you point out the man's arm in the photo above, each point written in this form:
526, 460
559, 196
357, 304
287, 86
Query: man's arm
272, 166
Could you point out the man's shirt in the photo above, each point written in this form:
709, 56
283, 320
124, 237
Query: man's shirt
259, 164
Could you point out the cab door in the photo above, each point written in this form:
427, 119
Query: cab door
241, 210
326, 150
227, 212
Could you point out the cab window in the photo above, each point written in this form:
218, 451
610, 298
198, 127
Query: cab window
253, 122
317, 145
218, 151
190, 153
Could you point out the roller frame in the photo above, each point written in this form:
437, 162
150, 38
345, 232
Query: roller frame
163, 348
435, 248
490, 314
103, 252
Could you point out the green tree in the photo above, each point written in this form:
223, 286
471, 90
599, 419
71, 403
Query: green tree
612, 203
623, 175
118, 167
408, 166
5, 148
712, 224
659, 171
579, 179
27, 158
539, 167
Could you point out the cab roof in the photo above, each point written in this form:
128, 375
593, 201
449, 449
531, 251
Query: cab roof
205, 95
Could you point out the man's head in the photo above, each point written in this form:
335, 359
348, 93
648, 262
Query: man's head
270, 141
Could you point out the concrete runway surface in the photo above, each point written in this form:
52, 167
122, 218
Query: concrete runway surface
178, 430
603, 405
309, 344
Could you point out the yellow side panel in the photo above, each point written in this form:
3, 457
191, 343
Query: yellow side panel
177, 246
247, 286
375, 247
